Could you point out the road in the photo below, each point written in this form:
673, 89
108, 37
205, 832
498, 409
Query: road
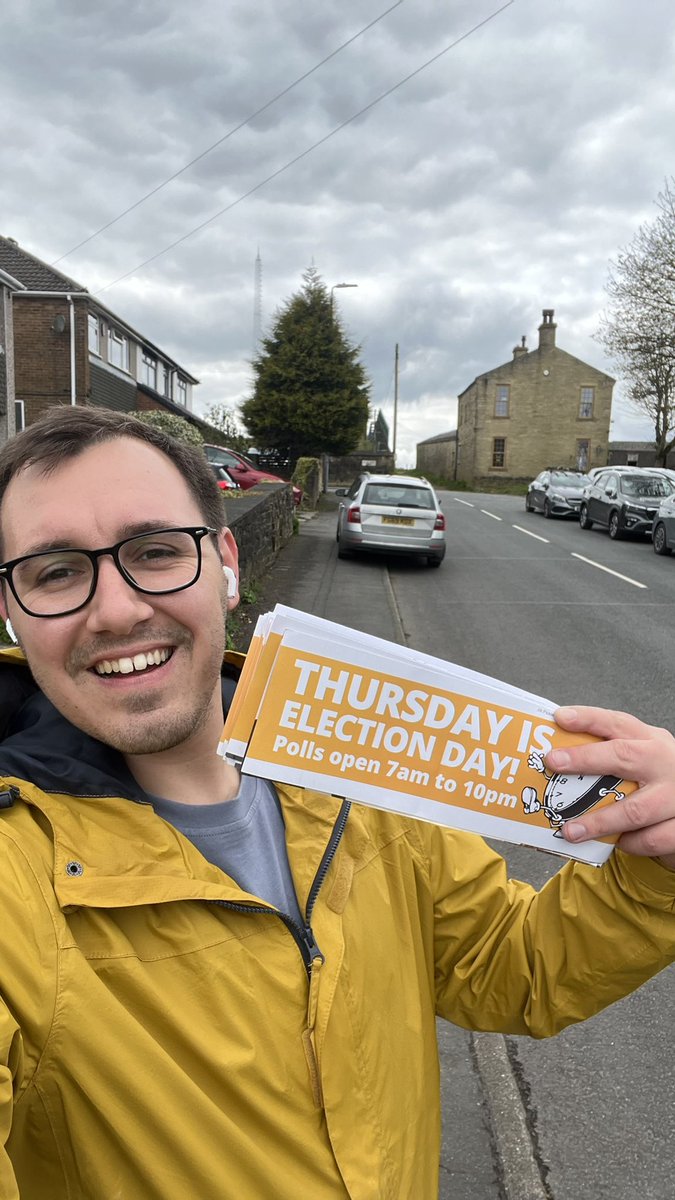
578, 618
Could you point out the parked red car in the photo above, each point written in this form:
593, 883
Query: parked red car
243, 471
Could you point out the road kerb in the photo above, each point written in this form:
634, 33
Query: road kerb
520, 1173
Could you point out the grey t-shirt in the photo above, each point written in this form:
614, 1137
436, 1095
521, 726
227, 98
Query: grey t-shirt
245, 837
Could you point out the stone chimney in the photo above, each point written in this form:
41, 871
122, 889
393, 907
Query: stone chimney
521, 349
547, 330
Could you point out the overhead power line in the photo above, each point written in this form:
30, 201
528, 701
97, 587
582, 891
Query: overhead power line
230, 133
315, 145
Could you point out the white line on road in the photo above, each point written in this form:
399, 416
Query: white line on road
489, 514
609, 571
468, 505
530, 534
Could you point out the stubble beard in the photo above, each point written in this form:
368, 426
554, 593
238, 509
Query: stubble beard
169, 728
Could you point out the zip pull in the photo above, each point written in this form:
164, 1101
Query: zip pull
308, 1036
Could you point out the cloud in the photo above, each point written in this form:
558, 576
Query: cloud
498, 180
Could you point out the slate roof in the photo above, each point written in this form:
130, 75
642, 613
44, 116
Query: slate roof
450, 436
32, 272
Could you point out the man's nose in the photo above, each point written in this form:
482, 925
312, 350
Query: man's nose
115, 605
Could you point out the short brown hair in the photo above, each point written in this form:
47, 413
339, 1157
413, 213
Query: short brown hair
65, 431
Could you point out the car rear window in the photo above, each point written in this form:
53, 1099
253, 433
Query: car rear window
396, 496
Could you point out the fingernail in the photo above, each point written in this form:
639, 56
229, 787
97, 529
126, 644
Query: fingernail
558, 759
575, 832
567, 714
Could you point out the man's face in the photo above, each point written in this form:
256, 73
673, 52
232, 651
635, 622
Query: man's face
95, 500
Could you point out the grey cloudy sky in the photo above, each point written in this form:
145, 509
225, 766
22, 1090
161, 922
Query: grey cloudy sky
497, 181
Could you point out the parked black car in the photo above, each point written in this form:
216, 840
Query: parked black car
624, 502
556, 493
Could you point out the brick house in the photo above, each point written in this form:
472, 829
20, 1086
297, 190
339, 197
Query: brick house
68, 348
543, 408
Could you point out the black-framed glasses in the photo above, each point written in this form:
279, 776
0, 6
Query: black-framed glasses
54, 583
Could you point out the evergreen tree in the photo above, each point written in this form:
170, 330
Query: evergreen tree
311, 393
638, 328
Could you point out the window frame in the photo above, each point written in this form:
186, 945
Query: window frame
19, 411
502, 399
94, 327
149, 368
583, 465
115, 338
498, 466
181, 387
586, 402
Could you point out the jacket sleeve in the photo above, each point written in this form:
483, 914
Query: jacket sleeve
512, 960
11, 1055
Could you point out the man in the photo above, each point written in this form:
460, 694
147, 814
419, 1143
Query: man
211, 988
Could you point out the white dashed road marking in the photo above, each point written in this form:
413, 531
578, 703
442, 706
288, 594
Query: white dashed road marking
489, 514
529, 534
467, 502
609, 571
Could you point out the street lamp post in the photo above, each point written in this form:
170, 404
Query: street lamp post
339, 285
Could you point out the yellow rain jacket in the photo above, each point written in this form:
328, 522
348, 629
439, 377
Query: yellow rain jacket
164, 1035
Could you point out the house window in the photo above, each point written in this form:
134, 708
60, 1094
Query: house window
19, 416
149, 369
498, 452
586, 403
502, 400
632, 460
165, 377
583, 454
181, 392
93, 334
118, 350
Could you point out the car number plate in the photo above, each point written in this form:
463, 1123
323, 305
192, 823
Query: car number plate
398, 520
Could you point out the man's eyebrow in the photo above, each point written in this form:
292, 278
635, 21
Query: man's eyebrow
131, 529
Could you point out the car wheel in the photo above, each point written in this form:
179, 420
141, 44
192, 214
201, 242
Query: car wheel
528, 506
659, 540
615, 530
547, 509
342, 553
433, 560
584, 521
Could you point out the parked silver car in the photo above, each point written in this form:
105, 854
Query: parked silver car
663, 529
391, 513
556, 493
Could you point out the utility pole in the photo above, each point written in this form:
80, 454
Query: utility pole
393, 439
257, 302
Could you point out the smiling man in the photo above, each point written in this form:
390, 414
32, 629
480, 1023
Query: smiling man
210, 987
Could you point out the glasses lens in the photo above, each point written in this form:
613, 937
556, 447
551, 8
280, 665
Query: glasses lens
159, 562
54, 582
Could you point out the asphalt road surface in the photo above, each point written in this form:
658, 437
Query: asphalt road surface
575, 617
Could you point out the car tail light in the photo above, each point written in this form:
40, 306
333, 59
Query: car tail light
354, 515
439, 523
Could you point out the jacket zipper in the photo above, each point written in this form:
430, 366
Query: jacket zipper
306, 942
303, 934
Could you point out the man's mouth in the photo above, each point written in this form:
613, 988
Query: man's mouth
135, 664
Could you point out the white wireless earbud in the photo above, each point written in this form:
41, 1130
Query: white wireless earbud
10, 632
231, 582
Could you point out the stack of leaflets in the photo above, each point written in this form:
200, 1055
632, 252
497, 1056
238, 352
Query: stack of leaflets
325, 707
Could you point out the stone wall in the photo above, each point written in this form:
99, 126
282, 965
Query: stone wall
261, 519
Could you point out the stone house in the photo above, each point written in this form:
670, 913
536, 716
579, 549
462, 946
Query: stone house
437, 456
69, 348
543, 408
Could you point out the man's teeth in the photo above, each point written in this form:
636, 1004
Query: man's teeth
125, 666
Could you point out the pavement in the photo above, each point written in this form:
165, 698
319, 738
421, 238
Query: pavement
487, 1152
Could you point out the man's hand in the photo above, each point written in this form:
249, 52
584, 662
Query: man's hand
645, 820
